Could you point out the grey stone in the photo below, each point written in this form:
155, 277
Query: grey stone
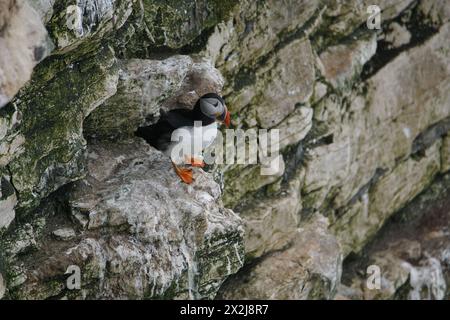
309, 269
146, 86
23, 43
64, 233
170, 239
41, 157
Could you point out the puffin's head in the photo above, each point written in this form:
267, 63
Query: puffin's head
213, 106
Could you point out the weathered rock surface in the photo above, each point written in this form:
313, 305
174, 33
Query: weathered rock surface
272, 223
342, 62
170, 239
64, 234
146, 86
2, 286
45, 144
174, 24
23, 43
412, 252
445, 153
255, 29
386, 196
309, 269
283, 81
364, 128
75, 22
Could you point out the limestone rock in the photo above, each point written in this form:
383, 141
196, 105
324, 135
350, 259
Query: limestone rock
309, 269
354, 13
255, 30
64, 233
295, 127
145, 86
175, 24
343, 63
363, 131
271, 223
288, 83
411, 251
170, 239
74, 22
278, 85
361, 220
44, 8
282, 84
46, 143
395, 93
235, 187
23, 43
292, 130
437, 11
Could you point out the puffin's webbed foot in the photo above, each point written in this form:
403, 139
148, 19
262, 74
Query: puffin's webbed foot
186, 175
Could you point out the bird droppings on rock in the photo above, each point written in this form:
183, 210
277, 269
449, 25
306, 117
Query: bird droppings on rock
363, 119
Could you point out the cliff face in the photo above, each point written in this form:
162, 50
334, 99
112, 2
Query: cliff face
364, 120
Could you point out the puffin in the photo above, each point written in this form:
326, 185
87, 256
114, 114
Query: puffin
210, 110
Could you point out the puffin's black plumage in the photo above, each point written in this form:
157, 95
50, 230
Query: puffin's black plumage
159, 134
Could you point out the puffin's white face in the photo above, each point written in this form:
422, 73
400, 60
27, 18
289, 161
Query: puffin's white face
211, 107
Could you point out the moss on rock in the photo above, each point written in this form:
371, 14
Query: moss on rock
52, 110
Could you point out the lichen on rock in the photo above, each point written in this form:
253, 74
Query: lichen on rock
170, 240
364, 138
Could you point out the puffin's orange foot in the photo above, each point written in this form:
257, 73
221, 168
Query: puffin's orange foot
185, 174
195, 162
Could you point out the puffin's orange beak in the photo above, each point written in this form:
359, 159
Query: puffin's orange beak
227, 119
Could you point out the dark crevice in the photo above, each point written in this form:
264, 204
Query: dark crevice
426, 138
420, 32
164, 52
11, 182
197, 44
422, 142
243, 78
293, 157
6, 188
326, 140
158, 135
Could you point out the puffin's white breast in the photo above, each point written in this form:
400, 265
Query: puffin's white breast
189, 137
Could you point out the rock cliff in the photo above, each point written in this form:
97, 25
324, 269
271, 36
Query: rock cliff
364, 142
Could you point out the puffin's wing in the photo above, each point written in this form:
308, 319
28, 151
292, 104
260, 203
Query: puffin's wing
179, 118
